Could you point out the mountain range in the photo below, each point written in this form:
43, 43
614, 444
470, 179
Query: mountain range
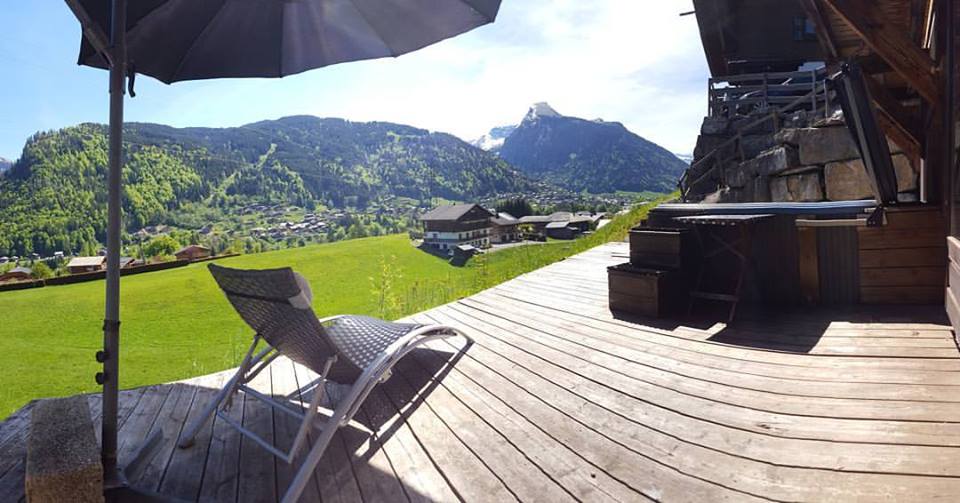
583, 155
53, 198
5, 164
492, 141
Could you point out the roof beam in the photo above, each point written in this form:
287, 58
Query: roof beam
824, 34
891, 106
892, 43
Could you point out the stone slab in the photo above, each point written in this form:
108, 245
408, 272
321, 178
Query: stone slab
777, 160
63, 455
707, 144
713, 126
826, 144
753, 145
802, 187
848, 180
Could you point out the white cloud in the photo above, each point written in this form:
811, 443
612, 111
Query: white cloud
637, 62
632, 61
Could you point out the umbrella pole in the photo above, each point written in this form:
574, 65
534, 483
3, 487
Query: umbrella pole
111, 320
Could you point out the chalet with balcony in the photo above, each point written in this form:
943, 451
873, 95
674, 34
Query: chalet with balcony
17, 274
446, 227
192, 252
504, 228
78, 265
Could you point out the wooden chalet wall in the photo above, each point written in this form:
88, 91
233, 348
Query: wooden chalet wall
904, 261
747, 36
952, 294
475, 219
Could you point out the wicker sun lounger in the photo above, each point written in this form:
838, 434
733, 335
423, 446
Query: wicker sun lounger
358, 351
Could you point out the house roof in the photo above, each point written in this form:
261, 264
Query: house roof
451, 212
557, 225
535, 219
581, 219
506, 216
191, 247
561, 216
86, 261
503, 222
24, 270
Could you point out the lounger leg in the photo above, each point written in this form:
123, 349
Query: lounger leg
313, 458
186, 440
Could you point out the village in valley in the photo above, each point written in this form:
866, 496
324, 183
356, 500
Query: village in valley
462, 230
444, 228
448, 230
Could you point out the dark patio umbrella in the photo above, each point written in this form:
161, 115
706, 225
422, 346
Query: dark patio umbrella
176, 40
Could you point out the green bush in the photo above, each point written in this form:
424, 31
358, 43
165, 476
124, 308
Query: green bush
40, 270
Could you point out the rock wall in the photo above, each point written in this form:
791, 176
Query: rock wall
797, 160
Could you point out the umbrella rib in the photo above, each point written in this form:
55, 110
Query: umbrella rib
363, 16
474, 9
193, 44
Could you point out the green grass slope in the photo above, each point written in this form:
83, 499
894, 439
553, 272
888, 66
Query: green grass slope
177, 324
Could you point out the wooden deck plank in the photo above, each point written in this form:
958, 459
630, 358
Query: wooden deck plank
258, 472
221, 472
335, 478
939, 346
668, 338
169, 423
184, 471
467, 475
724, 428
524, 478
283, 382
749, 476
851, 408
371, 466
574, 421
782, 380
421, 479
583, 480
559, 399
630, 335
136, 429
621, 375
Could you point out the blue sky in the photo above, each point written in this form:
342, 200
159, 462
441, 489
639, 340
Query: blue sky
632, 61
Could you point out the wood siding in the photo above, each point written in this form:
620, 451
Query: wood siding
904, 261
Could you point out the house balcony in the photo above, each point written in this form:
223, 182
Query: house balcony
561, 400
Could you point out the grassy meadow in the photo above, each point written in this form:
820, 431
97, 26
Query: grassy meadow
177, 324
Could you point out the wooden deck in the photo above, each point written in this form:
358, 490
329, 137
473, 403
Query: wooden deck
558, 400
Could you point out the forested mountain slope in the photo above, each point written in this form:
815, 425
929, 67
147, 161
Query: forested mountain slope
53, 198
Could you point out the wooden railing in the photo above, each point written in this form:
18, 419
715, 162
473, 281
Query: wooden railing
758, 92
716, 159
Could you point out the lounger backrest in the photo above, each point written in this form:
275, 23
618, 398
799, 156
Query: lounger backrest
263, 299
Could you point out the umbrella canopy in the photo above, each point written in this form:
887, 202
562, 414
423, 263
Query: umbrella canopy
176, 40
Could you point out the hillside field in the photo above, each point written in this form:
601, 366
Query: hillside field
177, 324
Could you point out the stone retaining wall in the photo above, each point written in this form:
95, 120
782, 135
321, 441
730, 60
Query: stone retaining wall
802, 161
